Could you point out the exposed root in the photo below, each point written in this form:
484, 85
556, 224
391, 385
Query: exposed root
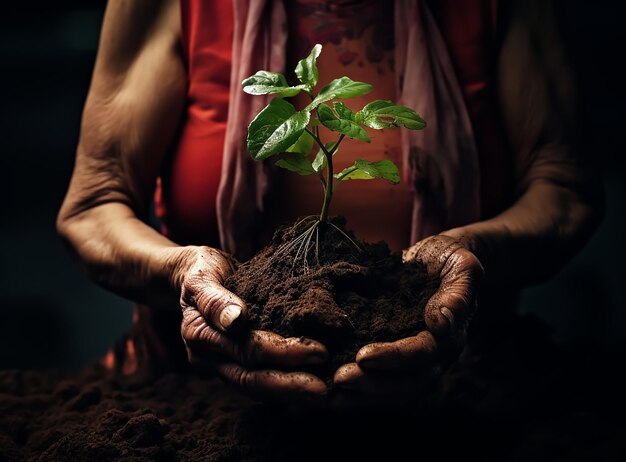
317, 245
306, 240
302, 246
346, 236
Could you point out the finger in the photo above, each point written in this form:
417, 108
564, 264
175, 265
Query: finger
411, 353
219, 306
284, 387
269, 348
347, 374
455, 266
258, 348
449, 309
432, 252
350, 377
202, 289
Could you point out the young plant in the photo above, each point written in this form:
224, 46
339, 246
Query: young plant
280, 128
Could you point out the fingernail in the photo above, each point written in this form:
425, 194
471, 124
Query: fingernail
448, 315
228, 315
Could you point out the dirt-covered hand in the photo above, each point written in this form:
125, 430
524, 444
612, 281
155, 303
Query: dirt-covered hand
216, 337
398, 371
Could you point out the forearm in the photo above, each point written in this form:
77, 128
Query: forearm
560, 196
531, 240
135, 101
124, 255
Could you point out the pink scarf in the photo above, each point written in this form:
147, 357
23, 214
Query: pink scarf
440, 162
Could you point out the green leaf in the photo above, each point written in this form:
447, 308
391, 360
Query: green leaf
339, 88
303, 145
265, 82
325, 113
352, 173
346, 127
365, 170
275, 129
384, 169
298, 163
306, 70
343, 111
320, 161
345, 88
266, 78
384, 114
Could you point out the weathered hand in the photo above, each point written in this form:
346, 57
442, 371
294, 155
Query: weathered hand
396, 372
215, 334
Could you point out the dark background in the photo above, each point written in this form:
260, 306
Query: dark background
52, 315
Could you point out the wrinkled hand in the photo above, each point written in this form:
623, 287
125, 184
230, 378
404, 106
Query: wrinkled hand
215, 334
396, 372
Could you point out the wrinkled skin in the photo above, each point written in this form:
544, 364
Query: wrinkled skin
125, 135
262, 364
388, 373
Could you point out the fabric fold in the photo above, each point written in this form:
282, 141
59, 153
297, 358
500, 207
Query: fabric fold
440, 162
259, 42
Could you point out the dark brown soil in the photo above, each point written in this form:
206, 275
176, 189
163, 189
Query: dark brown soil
335, 293
522, 400
94, 416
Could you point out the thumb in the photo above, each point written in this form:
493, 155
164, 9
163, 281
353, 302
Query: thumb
202, 290
450, 308
221, 308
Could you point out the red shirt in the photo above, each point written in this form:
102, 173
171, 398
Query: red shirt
189, 181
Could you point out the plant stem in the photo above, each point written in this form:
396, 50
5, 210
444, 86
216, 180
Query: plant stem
328, 184
336, 146
316, 138
328, 188
345, 173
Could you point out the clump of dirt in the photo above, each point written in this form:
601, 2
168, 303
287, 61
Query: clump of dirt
97, 415
333, 288
517, 400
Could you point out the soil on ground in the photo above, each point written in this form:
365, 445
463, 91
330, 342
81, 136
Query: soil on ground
329, 286
523, 399
514, 397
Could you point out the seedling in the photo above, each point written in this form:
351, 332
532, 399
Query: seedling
280, 129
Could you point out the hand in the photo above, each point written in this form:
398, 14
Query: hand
396, 372
213, 329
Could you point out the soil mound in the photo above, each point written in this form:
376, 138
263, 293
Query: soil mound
332, 288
